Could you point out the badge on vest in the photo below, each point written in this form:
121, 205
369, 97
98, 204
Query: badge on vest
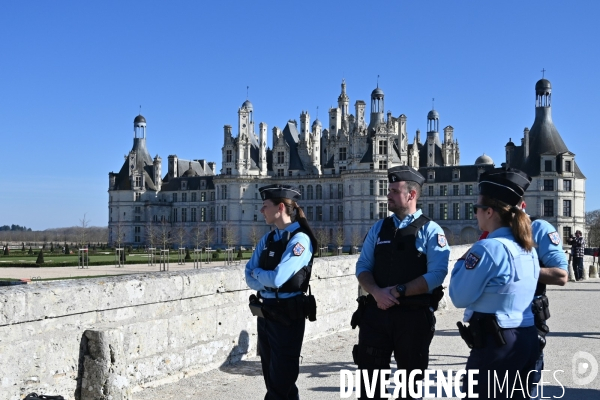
298, 249
471, 261
379, 241
442, 240
554, 237
271, 254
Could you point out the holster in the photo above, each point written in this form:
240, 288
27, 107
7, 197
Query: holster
465, 334
436, 296
358, 314
481, 325
541, 309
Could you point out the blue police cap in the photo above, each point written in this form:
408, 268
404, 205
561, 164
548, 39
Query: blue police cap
505, 184
405, 173
279, 191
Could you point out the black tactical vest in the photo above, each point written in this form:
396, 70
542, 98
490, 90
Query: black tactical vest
271, 257
397, 260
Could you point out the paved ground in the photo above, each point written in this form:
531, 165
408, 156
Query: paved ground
575, 327
67, 272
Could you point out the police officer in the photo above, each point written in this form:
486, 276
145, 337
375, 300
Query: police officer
279, 270
554, 269
495, 281
404, 257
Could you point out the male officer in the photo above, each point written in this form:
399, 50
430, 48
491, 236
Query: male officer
404, 257
553, 262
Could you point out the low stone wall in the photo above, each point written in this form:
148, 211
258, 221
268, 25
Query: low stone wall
108, 337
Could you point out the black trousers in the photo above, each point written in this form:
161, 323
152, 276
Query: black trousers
405, 331
578, 267
517, 357
279, 347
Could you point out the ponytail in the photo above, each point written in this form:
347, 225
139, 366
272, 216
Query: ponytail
297, 215
516, 219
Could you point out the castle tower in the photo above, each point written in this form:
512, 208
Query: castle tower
315, 143
377, 109
433, 140
262, 127
304, 126
343, 100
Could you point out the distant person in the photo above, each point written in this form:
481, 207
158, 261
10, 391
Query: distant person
279, 270
577, 251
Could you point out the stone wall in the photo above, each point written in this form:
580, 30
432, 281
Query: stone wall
105, 338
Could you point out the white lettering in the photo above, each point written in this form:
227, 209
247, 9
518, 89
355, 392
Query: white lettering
346, 384
504, 382
399, 385
412, 384
384, 381
457, 384
427, 381
563, 388
472, 383
521, 388
370, 384
444, 384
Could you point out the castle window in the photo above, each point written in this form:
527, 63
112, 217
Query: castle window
331, 191
342, 168
280, 157
301, 188
183, 196
138, 196
548, 165
223, 192
174, 215
229, 156
224, 213
382, 210
567, 185
290, 172
227, 171
184, 215
371, 188
203, 196
567, 166
319, 213
203, 214
194, 196
340, 213
469, 190
319, 192
548, 208
566, 233
137, 218
309, 213
255, 218
382, 188
383, 147
566, 208
138, 181
469, 210
280, 172
548, 185
455, 190
456, 210
382, 164
444, 211
331, 213
371, 210
431, 190
443, 190
309, 192
193, 215
342, 154
212, 196
174, 197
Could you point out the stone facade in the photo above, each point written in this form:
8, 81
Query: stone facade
341, 171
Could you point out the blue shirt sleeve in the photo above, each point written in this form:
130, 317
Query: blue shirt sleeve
428, 242
288, 266
253, 264
366, 260
551, 254
492, 269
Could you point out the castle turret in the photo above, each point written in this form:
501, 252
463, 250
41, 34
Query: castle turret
262, 148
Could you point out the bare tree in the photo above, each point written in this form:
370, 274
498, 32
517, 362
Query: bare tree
151, 234
164, 234
82, 240
355, 239
592, 226
118, 234
197, 234
209, 234
322, 237
339, 238
181, 234
254, 235
230, 236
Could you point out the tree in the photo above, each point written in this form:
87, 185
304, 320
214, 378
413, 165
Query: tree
339, 237
355, 239
230, 235
6, 250
30, 252
254, 235
592, 226
209, 234
40, 257
181, 234
164, 234
322, 238
82, 234
67, 248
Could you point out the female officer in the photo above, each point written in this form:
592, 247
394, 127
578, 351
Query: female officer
280, 271
495, 281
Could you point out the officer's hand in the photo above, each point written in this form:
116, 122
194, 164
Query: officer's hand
384, 298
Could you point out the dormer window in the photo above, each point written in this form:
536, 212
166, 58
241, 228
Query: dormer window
183, 185
568, 167
548, 165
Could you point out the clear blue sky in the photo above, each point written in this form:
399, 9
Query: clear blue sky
74, 73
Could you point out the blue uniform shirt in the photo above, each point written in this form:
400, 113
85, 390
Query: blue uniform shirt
430, 241
549, 245
267, 281
497, 277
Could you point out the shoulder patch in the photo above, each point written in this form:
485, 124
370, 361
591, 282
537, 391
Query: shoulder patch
554, 237
442, 242
298, 249
471, 261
